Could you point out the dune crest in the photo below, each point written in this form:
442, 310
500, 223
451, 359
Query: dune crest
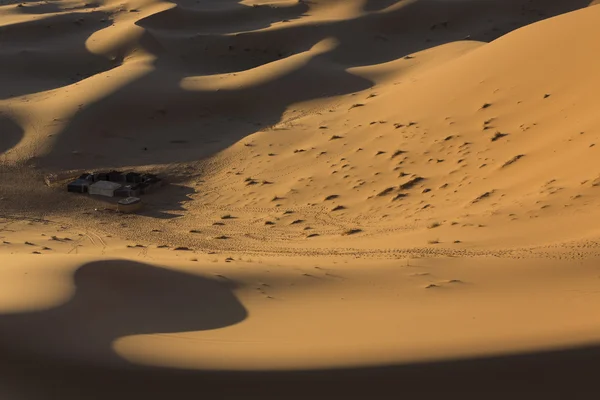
360, 194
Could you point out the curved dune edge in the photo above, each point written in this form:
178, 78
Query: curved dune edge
377, 324
394, 194
282, 314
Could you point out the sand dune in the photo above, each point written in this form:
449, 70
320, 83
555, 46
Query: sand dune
118, 328
367, 199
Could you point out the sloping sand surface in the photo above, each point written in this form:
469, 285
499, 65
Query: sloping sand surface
366, 199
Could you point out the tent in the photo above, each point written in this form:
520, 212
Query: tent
78, 186
104, 188
133, 177
128, 191
100, 176
87, 177
116, 176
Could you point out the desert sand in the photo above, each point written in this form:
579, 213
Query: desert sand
366, 200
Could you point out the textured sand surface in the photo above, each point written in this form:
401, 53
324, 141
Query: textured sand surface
367, 199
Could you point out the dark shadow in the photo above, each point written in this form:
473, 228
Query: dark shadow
50, 52
46, 7
10, 133
224, 20
165, 202
158, 214
117, 298
65, 353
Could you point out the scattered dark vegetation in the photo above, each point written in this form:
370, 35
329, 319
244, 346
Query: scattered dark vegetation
397, 153
399, 196
411, 183
498, 135
483, 196
386, 191
513, 160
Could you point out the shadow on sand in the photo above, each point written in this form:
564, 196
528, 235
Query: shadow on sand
48, 354
168, 202
10, 134
143, 113
117, 298
30, 59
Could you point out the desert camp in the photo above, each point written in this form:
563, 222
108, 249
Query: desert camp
115, 184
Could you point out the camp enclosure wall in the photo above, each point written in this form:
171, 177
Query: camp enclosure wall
78, 186
115, 183
133, 177
116, 176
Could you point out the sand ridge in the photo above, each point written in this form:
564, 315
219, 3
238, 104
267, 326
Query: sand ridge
364, 196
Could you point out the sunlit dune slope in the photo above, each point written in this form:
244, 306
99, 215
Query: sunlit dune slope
376, 118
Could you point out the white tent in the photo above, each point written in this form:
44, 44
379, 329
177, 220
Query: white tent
104, 188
